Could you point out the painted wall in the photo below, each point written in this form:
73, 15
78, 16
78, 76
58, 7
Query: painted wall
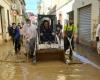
5, 6
94, 10
75, 5
64, 10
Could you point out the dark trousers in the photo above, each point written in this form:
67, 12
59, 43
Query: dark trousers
31, 47
67, 45
17, 44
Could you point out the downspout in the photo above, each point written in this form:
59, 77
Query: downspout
99, 11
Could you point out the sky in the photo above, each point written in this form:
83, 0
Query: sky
31, 6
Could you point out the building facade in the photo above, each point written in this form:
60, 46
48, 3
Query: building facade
10, 11
86, 17
18, 10
85, 14
5, 18
44, 6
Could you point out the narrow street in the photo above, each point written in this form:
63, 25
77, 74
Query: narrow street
48, 70
49, 39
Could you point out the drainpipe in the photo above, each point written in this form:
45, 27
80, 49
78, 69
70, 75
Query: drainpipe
99, 11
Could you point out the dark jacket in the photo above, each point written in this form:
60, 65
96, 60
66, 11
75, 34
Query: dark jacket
16, 33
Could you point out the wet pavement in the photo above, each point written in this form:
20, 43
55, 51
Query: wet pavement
47, 70
89, 53
5, 49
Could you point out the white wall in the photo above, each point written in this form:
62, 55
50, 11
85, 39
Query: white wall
6, 6
64, 10
95, 18
75, 5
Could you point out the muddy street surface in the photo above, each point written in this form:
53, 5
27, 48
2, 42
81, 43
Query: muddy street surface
47, 71
16, 67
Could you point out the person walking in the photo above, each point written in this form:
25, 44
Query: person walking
16, 38
20, 26
98, 38
59, 30
30, 34
10, 30
69, 33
